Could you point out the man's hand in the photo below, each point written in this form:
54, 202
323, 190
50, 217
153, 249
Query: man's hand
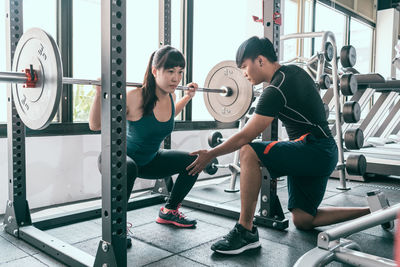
203, 159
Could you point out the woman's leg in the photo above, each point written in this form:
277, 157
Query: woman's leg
131, 173
167, 163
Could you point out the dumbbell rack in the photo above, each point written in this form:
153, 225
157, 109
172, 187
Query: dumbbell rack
333, 94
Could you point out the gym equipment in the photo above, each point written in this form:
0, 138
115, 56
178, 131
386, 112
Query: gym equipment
321, 67
212, 167
348, 56
328, 52
233, 107
326, 108
348, 84
377, 201
351, 112
356, 164
354, 138
215, 138
332, 245
37, 89
324, 81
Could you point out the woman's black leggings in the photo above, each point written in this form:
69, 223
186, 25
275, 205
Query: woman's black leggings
166, 163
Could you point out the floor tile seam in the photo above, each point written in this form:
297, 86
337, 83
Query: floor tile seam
174, 254
289, 244
152, 244
33, 256
10, 261
22, 249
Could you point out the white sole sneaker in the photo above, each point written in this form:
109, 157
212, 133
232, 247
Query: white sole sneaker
240, 250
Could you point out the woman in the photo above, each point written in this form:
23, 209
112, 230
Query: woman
150, 118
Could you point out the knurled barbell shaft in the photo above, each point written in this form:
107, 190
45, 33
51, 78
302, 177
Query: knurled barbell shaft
17, 77
67, 80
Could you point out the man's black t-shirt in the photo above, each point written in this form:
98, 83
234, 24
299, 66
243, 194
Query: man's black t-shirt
293, 98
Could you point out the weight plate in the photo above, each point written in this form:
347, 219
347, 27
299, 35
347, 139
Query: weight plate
38, 106
329, 51
348, 56
234, 106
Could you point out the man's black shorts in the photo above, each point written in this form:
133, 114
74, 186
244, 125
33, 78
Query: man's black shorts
307, 162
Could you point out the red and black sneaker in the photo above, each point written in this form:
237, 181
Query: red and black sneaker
175, 217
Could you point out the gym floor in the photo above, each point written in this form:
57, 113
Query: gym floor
160, 245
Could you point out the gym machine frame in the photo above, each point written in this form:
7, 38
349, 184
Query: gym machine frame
271, 213
332, 245
17, 220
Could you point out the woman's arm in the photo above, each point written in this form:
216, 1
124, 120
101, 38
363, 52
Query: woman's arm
188, 96
95, 111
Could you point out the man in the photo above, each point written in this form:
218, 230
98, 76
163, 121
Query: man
307, 159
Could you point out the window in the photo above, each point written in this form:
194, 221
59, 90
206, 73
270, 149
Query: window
292, 24
217, 35
40, 16
361, 38
324, 18
141, 42
289, 50
86, 54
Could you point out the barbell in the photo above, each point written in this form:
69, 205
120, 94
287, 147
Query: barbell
37, 78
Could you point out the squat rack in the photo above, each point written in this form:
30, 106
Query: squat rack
112, 247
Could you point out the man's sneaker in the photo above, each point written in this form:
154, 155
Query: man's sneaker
238, 240
175, 217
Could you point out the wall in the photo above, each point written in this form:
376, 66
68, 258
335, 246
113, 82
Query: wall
63, 169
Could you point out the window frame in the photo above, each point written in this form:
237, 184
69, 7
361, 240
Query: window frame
64, 20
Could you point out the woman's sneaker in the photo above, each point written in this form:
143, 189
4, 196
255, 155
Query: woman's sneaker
175, 217
238, 240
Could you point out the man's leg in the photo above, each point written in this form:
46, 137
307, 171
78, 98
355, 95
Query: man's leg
326, 216
250, 184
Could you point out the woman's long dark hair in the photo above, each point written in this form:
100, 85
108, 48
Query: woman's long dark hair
166, 57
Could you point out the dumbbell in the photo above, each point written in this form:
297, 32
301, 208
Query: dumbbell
324, 81
348, 84
354, 139
328, 51
215, 138
348, 56
351, 112
212, 167
356, 164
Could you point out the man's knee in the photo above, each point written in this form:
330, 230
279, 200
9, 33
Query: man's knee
247, 153
302, 220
